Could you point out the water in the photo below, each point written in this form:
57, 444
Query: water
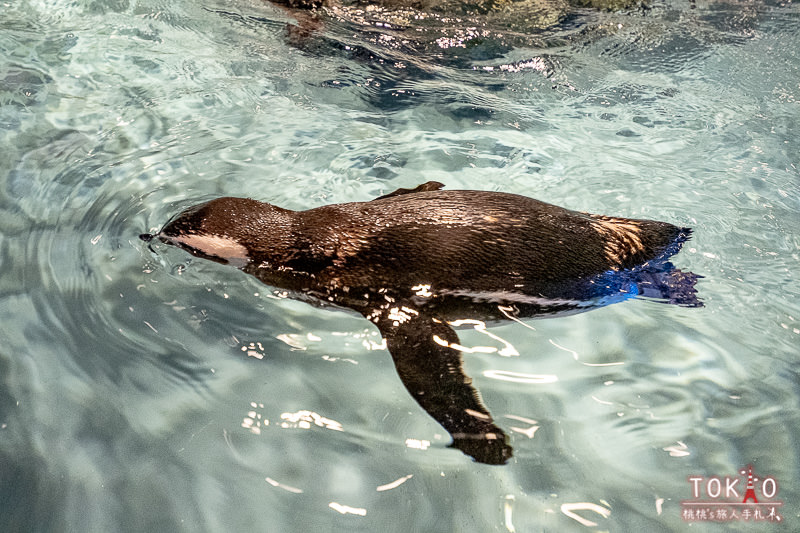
154, 392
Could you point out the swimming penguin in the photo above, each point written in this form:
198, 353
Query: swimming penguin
415, 259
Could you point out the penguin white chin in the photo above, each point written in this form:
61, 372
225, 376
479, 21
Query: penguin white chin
213, 246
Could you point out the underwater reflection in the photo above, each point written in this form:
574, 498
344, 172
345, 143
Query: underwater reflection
420, 262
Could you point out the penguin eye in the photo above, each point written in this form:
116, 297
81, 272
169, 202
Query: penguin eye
216, 247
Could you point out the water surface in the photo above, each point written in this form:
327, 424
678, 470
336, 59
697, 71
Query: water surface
155, 392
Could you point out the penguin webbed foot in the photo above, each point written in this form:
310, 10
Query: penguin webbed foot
672, 286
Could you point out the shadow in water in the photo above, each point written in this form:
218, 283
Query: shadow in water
416, 260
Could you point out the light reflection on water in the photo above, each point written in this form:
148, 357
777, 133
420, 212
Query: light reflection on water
128, 379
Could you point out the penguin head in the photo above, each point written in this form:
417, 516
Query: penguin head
222, 230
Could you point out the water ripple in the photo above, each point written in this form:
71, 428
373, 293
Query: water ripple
118, 364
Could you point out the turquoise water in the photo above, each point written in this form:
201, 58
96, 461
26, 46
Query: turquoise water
148, 391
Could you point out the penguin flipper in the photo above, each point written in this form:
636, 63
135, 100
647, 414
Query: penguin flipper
427, 186
432, 373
